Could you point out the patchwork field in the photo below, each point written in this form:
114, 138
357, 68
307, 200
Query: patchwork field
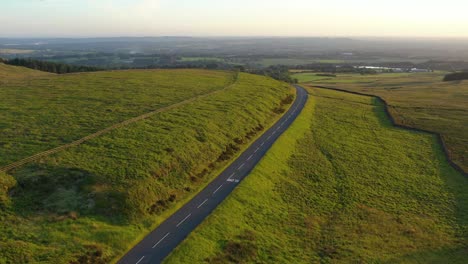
342, 185
419, 100
91, 202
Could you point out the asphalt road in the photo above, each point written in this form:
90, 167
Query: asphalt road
162, 240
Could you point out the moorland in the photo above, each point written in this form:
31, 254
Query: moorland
342, 185
90, 202
418, 100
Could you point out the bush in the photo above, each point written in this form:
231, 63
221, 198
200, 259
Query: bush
6, 183
457, 76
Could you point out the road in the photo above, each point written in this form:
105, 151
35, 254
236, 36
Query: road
162, 240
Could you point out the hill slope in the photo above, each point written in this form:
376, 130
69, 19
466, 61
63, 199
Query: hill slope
41, 113
340, 186
420, 100
12, 73
90, 202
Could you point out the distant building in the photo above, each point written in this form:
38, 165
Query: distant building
419, 70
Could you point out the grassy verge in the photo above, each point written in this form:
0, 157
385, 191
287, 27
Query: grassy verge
340, 186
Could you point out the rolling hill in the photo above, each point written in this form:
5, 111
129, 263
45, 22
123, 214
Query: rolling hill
420, 100
167, 133
342, 185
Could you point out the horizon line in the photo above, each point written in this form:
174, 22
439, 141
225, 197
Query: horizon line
239, 36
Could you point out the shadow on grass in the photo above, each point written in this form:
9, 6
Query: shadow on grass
61, 193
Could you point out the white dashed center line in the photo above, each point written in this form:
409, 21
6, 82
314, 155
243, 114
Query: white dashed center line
206, 200
140, 260
183, 220
218, 189
256, 150
240, 167
155, 245
250, 157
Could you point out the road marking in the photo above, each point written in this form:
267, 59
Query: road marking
273, 133
155, 245
140, 260
242, 165
218, 189
202, 203
263, 143
231, 175
183, 220
269, 137
256, 150
250, 157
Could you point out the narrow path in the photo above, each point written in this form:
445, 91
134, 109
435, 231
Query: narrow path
34, 157
161, 241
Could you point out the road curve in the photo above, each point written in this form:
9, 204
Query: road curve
170, 233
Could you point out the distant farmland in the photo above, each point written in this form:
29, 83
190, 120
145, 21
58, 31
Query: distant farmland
90, 202
342, 185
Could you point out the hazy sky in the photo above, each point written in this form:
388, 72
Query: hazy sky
87, 18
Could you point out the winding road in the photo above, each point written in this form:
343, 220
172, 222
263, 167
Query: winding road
161, 241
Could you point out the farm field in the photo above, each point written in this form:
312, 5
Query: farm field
15, 51
342, 185
419, 100
216, 59
310, 77
294, 61
91, 202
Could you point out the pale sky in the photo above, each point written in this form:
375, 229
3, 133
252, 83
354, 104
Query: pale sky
93, 18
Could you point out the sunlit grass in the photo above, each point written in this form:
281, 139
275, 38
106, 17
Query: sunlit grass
90, 203
420, 100
340, 186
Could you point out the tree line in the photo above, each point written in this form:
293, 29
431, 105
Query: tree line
47, 66
278, 72
456, 76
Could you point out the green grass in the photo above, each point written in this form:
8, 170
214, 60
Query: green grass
12, 73
420, 100
90, 203
283, 61
214, 59
41, 113
310, 77
340, 186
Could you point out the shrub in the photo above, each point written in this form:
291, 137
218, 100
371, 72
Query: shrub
6, 183
457, 76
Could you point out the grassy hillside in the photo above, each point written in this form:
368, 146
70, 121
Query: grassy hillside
42, 113
340, 186
419, 100
11, 73
89, 203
